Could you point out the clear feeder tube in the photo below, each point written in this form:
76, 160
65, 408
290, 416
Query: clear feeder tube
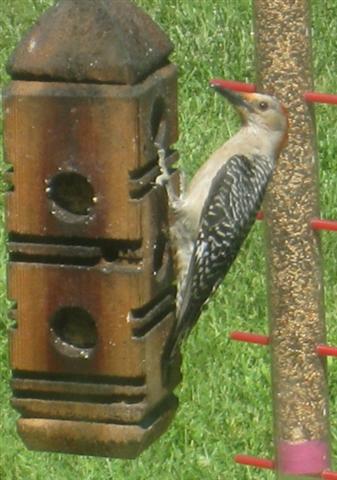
295, 285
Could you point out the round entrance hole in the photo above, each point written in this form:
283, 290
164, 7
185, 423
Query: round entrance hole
72, 192
74, 331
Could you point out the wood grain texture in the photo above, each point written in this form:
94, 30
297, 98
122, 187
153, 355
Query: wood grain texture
90, 271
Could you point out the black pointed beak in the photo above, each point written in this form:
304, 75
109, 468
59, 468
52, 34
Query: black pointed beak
236, 98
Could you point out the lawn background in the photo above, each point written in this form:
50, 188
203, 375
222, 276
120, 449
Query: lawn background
225, 397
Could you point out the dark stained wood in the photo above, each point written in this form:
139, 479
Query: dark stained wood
112, 440
105, 41
90, 271
55, 129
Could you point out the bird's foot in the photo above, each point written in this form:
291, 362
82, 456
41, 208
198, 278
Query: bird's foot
164, 177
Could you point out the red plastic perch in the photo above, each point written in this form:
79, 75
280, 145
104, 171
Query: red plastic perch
316, 97
321, 224
254, 461
312, 97
327, 475
326, 351
249, 337
234, 85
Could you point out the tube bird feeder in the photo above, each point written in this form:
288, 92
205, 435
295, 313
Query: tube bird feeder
90, 270
297, 326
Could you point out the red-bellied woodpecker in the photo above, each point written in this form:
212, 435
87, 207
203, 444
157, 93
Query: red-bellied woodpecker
214, 215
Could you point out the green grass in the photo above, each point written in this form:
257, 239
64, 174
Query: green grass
225, 396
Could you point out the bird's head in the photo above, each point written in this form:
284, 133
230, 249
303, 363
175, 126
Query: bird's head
255, 109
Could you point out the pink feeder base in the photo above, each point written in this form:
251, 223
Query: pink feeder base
306, 458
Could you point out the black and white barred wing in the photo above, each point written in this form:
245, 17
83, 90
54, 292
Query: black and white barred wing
229, 212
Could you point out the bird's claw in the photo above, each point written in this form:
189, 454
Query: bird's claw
164, 176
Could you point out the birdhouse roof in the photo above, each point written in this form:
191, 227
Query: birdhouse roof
101, 41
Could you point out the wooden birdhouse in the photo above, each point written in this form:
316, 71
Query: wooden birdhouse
90, 271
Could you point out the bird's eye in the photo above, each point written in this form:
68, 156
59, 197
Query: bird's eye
263, 106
